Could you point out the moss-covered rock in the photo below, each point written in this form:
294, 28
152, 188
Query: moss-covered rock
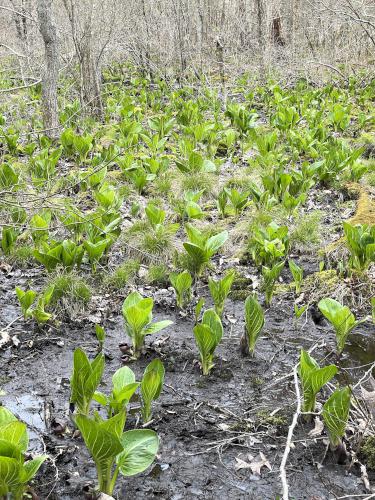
241, 288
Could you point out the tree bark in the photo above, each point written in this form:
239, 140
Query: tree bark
91, 98
91, 84
48, 31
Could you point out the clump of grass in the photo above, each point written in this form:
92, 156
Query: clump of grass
306, 234
200, 182
152, 241
71, 293
121, 276
161, 186
22, 256
240, 183
158, 274
158, 241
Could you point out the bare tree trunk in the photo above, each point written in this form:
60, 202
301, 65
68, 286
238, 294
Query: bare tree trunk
242, 17
260, 15
90, 80
47, 29
147, 67
22, 31
91, 97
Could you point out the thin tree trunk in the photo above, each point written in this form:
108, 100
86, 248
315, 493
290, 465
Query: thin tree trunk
48, 31
90, 80
91, 98
260, 15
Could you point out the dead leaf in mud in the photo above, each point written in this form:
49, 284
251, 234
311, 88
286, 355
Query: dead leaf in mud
255, 465
241, 464
259, 462
318, 428
4, 338
95, 318
231, 319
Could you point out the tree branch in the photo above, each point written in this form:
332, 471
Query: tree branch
18, 13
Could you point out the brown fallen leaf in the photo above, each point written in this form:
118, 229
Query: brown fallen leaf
242, 464
259, 462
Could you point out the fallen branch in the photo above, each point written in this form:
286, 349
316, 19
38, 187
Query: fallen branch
292, 426
13, 89
329, 66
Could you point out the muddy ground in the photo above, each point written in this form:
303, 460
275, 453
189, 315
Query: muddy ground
212, 429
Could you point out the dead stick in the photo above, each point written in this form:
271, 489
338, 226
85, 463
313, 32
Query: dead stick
292, 426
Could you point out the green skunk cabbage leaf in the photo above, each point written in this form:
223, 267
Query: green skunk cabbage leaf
341, 318
313, 378
85, 379
102, 442
336, 414
254, 321
31, 467
140, 448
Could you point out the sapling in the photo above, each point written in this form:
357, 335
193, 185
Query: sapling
336, 414
254, 322
313, 378
341, 318
15, 473
182, 285
124, 386
86, 377
297, 273
220, 290
137, 313
151, 386
114, 451
208, 335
